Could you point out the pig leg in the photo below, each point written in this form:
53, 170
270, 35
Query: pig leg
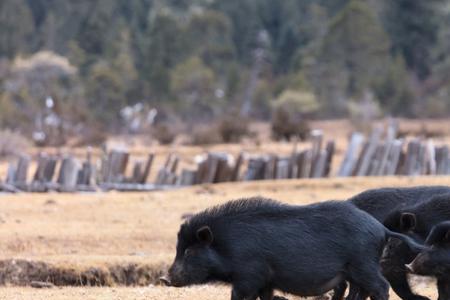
237, 295
339, 291
367, 276
248, 288
266, 294
356, 293
395, 256
399, 283
443, 289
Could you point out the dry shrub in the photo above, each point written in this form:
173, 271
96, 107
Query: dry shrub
290, 112
285, 125
205, 135
164, 133
12, 143
423, 131
24, 272
232, 128
227, 129
93, 135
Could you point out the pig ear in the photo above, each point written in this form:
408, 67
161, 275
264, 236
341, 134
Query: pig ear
440, 234
205, 235
447, 237
407, 221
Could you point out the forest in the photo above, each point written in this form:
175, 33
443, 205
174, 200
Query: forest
98, 63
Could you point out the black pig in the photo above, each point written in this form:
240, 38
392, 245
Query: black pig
382, 203
435, 261
417, 222
259, 245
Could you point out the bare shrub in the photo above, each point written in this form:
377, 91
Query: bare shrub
422, 131
12, 143
164, 133
205, 135
290, 112
93, 136
286, 126
232, 128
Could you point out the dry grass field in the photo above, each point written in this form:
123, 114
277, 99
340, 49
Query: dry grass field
103, 231
124, 241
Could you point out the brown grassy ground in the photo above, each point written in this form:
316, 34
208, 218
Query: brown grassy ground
144, 293
78, 231
84, 232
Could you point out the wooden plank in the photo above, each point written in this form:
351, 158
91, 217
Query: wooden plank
299, 162
370, 152
237, 167
442, 160
187, 177
161, 177
68, 175
11, 173
384, 157
293, 165
412, 157
202, 170
137, 172
147, 168
213, 164
270, 170
21, 173
320, 165
316, 141
305, 170
133, 187
255, 169
86, 174
224, 170
431, 158
330, 149
49, 169
360, 159
117, 164
283, 165
351, 155
376, 160
41, 163
173, 164
422, 162
393, 158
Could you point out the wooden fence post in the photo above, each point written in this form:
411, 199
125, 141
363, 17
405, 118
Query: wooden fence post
351, 154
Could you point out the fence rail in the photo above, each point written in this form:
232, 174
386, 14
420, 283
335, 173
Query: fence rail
379, 154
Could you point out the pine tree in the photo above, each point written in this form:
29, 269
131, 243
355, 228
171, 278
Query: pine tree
16, 26
353, 53
413, 27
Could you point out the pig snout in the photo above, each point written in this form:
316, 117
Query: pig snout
410, 268
175, 276
165, 280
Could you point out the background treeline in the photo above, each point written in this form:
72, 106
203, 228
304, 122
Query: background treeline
195, 60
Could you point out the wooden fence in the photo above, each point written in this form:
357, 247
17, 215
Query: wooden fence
380, 154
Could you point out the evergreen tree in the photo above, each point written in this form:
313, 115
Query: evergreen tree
354, 52
16, 26
413, 26
165, 47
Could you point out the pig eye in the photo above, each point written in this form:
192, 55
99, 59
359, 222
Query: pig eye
187, 252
